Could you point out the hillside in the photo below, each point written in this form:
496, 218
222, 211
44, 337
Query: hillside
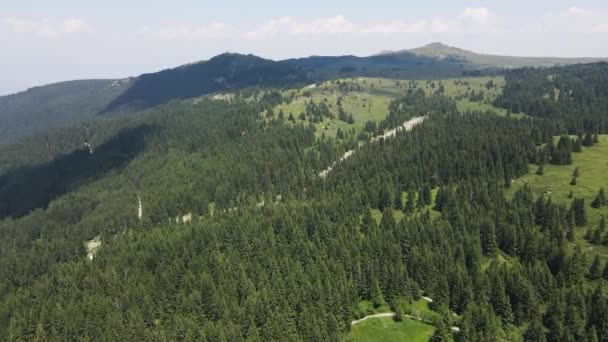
478, 60
235, 71
404, 65
58, 105
220, 73
42, 108
211, 222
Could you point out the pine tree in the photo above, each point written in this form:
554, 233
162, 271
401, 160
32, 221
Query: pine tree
377, 298
535, 331
427, 195
573, 181
409, 203
597, 202
387, 223
385, 198
595, 271
368, 224
439, 199
442, 331
578, 145
488, 234
588, 140
578, 211
540, 171
596, 238
398, 200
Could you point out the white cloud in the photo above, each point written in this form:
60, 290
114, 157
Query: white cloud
478, 14
291, 26
213, 31
574, 20
470, 20
46, 27
478, 20
418, 26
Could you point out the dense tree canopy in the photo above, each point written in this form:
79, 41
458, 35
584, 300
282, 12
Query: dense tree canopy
275, 252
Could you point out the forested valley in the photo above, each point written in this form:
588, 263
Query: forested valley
215, 225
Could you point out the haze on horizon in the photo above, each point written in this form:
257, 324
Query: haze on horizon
67, 39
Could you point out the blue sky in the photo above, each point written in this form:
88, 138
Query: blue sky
50, 41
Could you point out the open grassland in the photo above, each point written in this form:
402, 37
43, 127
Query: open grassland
368, 99
387, 330
555, 183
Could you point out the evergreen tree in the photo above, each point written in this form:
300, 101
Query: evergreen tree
588, 140
488, 234
535, 331
409, 203
368, 224
595, 271
377, 298
426, 195
540, 171
398, 200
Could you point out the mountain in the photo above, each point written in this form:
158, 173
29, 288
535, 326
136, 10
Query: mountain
57, 105
42, 108
441, 51
224, 72
207, 220
209, 223
234, 71
402, 65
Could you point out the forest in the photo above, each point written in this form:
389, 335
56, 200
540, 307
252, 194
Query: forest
240, 239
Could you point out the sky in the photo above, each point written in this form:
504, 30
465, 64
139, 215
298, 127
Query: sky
50, 41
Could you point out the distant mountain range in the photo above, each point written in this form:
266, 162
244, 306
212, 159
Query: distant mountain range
40, 108
479, 60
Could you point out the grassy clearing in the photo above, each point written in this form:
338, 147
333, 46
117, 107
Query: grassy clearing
367, 307
386, 329
369, 98
555, 183
420, 308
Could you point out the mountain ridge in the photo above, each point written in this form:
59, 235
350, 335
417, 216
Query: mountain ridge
441, 51
40, 108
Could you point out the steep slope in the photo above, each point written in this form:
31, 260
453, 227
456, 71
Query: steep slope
41, 108
223, 72
442, 52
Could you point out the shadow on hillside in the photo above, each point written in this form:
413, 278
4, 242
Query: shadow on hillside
27, 188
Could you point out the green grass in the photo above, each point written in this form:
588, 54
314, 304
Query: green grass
420, 308
370, 98
367, 307
377, 215
555, 183
386, 329
461, 89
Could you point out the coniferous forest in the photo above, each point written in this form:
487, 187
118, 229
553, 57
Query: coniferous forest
215, 224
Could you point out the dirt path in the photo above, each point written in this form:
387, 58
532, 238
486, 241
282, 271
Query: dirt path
407, 126
454, 329
140, 211
386, 314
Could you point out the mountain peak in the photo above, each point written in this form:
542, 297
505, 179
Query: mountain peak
436, 45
